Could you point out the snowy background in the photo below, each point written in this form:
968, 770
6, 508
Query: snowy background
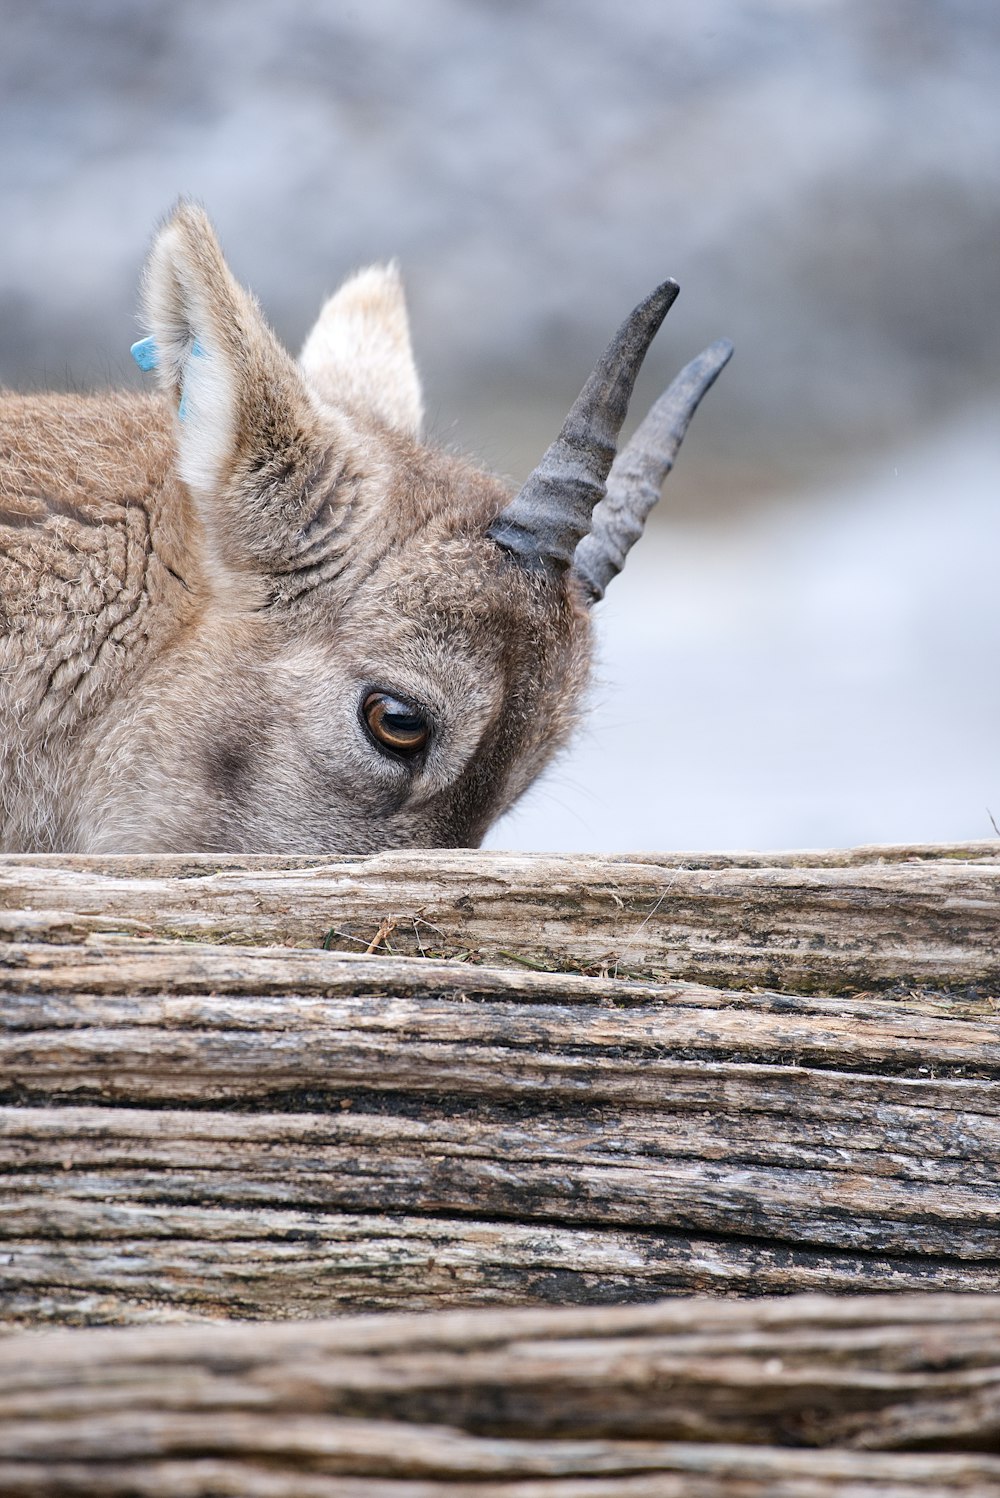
803, 650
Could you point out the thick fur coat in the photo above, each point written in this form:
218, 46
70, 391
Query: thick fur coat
208, 596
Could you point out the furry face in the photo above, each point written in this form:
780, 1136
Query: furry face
253, 613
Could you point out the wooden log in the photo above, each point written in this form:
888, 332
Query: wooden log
614, 1170
806, 1396
674, 1470
198, 1131
904, 918
72, 1265
191, 1130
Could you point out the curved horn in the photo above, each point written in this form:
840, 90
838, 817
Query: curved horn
639, 470
545, 521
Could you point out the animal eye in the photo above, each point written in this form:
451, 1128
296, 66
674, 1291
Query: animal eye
396, 724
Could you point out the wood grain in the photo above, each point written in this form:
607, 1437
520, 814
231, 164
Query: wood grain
195, 1130
803, 1395
671, 1470
551, 1082
912, 918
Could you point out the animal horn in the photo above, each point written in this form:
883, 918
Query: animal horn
544, 522
638, 472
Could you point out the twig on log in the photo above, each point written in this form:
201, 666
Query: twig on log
829, 926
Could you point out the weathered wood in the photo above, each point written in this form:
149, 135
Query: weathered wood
192, 1131
73, 1264
686, 1397
200, 1131
154, 1020
615, 1170
674, 1470
906, 918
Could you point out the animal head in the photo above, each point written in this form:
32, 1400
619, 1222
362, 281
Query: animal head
388, 647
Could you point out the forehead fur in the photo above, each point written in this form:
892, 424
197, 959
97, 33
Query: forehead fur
428, 606
419, 536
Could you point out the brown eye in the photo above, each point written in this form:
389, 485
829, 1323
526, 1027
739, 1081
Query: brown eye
398, 725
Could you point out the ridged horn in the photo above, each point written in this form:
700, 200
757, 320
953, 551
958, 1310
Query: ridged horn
544, 522
638, 472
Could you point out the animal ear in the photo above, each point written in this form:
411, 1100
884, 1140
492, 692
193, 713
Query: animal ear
359, 353
249, 431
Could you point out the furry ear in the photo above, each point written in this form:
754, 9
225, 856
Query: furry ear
359, 353
250, 434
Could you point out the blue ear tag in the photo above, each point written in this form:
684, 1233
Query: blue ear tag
144, 353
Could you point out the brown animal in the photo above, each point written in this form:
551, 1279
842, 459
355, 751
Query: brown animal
253, 613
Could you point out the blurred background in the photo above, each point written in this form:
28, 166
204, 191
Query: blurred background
803, 650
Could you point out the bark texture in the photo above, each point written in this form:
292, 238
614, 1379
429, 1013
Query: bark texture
194, 1129
874, 919
801, 1396
243, 1089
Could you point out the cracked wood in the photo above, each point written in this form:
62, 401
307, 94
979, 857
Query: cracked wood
193, 1130
686, 1397
904, 918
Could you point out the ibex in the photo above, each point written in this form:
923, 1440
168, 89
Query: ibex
253, 613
